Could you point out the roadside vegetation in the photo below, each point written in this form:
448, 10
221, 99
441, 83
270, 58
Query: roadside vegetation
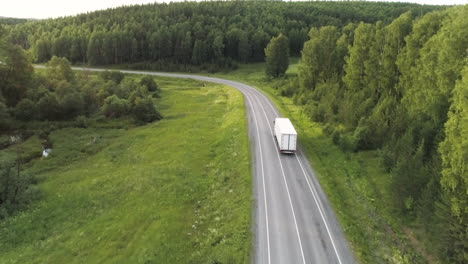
136, 169
378, 97
114, 193
382, 123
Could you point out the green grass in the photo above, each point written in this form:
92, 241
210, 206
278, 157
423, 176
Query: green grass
355, 183
173, 191
26, 150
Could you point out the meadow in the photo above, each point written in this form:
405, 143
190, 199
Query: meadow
173, 191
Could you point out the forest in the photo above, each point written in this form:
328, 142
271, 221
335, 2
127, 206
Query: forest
181, 36
401, 89
390, 77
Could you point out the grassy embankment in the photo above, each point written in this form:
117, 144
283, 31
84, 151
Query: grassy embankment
173, 191
355, 183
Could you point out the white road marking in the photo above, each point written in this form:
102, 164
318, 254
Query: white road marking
286, 184
320, 210
314, 195
263, 179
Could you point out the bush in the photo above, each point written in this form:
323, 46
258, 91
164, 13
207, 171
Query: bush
72, 105
149, 83
25, 110
336, 136
48, 107
300, 98
16, 189
81, 121
115, 107
362, 136
114, 76
126, 88
145, 111
139, 92
290, 88
347, 143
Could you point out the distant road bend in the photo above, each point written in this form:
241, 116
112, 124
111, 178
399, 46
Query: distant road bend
294, 222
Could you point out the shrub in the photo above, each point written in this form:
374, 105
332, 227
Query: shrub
347, 143
126, 88
81, 121
336, 136
115, 106
139, 92
114, 76
149, 83
145, 111
72, 105
362, 136
16, 189
25, 110
48, 107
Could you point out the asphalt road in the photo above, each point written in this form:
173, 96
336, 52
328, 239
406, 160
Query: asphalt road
294, 222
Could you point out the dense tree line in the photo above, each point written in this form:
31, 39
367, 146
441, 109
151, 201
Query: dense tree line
190, 33
59, 94
12, 21
400, 88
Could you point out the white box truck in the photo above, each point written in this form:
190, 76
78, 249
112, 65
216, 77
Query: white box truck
285, 135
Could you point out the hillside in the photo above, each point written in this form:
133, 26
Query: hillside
181, 36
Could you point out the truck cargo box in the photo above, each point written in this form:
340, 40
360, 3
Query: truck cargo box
285, 135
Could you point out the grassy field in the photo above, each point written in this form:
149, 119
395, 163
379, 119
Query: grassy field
173, 191
355, 183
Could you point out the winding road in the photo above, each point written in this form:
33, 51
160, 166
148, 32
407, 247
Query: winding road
294, 222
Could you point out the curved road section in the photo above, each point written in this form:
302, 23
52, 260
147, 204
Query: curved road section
294, 222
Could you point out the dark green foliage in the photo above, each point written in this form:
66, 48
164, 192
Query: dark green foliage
15, 72
42, 50
16, 189
144, 110
59, 69
126, 88
277, 56
114, 76
320, 57
12, 21
72, 105
48, 107
5, 118
403, 91
115, 107
454, 181
201, 33
25, 110
149, 83
81, 121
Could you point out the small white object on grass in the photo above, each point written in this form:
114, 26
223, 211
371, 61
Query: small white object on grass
46, 152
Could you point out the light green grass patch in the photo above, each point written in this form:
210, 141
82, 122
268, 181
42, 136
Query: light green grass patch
173, 191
